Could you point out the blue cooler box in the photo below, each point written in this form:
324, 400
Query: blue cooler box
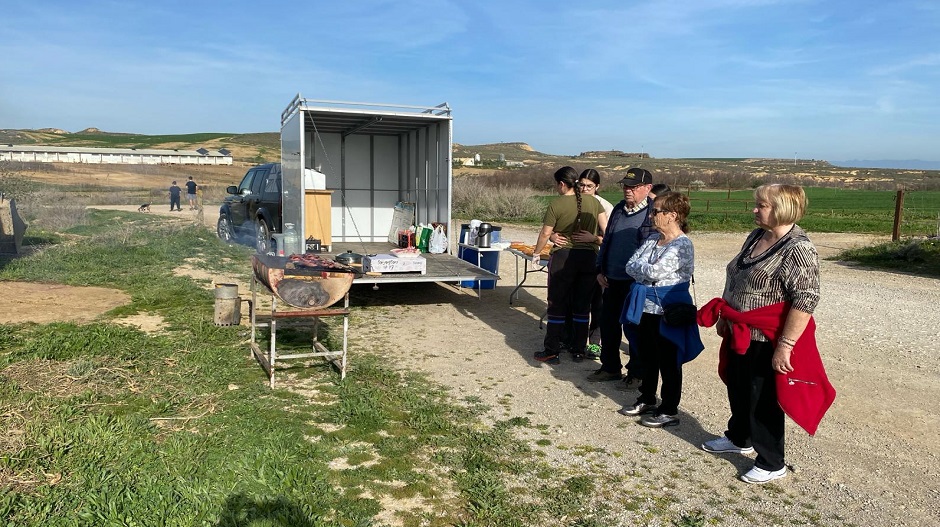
489, 260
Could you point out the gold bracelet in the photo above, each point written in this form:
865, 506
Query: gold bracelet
788, 341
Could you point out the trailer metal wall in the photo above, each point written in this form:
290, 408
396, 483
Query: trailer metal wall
372, 159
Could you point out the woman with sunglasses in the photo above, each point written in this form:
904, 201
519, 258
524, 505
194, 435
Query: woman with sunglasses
768, 353
571, 265
662, 268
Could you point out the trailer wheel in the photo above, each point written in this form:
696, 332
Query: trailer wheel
262, 237
224, 230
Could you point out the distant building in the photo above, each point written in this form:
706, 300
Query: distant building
124, 156
600, 154
476, 161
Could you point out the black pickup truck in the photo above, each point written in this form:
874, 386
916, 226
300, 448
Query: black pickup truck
252, 210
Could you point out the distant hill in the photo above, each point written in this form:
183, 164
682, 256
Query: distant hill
900, 164
511, 151
246, 148
739, 172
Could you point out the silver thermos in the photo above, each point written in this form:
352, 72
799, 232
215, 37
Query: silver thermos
484, 235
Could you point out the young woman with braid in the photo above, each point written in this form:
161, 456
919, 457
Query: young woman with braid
589, 185
579, 218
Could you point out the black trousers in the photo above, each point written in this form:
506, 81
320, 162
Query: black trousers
659, 357
597, 303
594, 332
570, 279
611, 329
756, 417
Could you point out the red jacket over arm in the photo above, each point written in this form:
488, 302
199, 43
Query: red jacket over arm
805, 394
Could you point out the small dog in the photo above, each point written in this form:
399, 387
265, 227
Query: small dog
144, 208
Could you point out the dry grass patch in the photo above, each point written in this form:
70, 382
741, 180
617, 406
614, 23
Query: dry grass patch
61, 379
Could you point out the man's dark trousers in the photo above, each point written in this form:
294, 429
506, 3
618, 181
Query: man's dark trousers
611, 329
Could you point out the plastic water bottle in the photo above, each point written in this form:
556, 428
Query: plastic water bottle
291, 239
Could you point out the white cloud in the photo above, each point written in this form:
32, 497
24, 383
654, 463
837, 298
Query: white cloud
919, 63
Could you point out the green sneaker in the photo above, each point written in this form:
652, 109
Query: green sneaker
593, 351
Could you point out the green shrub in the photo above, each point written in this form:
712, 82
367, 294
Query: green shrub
471, 199
916, 256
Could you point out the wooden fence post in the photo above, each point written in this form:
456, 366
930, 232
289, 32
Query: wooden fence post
898, 212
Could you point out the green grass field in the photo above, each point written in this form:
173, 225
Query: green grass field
830, 210
105, 424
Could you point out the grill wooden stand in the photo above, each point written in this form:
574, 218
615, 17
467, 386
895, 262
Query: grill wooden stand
268, 360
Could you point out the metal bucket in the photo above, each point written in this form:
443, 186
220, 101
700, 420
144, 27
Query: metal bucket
228, 306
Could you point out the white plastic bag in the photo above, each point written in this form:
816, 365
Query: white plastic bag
438, 242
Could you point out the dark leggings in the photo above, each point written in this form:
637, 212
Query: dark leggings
570, 278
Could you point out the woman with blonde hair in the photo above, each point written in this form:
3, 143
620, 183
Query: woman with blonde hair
768, 358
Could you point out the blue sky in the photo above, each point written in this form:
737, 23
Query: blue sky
815, 79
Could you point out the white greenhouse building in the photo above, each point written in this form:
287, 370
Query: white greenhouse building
125, 156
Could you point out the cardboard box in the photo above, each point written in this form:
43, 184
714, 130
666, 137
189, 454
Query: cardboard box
387, 263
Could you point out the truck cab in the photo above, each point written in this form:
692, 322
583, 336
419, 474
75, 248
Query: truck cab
252, 210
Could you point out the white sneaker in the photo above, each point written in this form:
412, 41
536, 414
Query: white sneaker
759, 475
723, 445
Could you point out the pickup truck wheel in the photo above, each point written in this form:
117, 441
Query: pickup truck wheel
262, 237
224, 229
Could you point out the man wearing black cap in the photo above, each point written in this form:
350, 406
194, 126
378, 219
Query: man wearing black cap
627, 227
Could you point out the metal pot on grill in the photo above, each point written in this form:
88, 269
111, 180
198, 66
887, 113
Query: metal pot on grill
349, 258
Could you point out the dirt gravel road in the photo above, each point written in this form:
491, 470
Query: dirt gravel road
874, 460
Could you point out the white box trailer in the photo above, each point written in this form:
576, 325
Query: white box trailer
373, 156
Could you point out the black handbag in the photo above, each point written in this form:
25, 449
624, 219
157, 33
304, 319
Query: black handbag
680, 314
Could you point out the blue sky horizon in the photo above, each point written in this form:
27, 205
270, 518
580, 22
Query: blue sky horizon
812, 79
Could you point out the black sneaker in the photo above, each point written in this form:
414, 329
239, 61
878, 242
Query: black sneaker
637, 408
602, 375
577, 357
629, 383
659, 420
546, 356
